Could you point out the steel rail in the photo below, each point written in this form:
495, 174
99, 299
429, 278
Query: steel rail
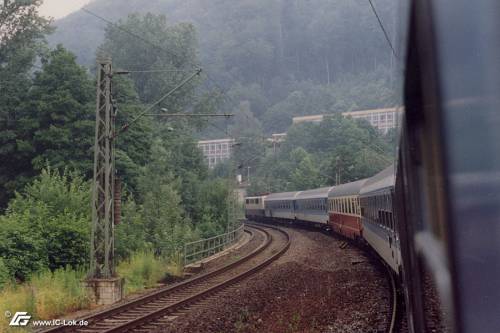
148, 318
151, 317
394, 301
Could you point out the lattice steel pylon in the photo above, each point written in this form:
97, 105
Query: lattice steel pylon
102, 236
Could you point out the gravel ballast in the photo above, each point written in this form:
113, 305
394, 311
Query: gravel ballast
317, 286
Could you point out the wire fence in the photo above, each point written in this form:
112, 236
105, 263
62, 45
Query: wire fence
204, 248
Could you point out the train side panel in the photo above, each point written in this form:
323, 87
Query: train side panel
378, 219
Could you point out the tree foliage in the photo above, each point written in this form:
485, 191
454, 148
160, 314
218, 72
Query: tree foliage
337, 150
22, 33
47, 225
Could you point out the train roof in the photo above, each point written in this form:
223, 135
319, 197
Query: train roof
384, 179
313, 194
282, 196
351, 188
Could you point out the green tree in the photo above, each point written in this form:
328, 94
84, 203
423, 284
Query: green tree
171, 50
22, 33
305, 174
61, 112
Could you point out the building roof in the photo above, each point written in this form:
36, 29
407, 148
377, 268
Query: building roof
282, 196
382, 180
312, 118
215, 141
314, 194
351, 188
373, 111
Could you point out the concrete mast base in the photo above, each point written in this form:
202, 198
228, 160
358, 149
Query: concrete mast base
104, 291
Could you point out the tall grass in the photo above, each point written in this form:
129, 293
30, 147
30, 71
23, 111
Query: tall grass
144, 270
47, 295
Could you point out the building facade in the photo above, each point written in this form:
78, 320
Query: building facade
216, 151
383, 119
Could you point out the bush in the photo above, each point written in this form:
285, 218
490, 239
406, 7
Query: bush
130, 234
22, 248
4, 274
47, 225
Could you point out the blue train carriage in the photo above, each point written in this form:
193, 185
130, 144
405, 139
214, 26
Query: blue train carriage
378, 218
280, 206
254, 208
312, 206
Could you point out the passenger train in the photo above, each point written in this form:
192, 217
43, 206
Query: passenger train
360, 210
434, 217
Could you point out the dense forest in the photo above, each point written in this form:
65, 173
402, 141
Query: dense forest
283, 57
269, 60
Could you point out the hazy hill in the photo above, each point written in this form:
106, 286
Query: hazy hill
268, 49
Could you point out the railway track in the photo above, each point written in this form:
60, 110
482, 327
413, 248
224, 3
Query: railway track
394, 310
160, 308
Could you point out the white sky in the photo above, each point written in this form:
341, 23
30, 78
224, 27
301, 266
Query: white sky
60, 8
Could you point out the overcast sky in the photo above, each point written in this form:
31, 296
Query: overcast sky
60, 8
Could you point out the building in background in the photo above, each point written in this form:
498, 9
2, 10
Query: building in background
382, 119
216, 151
276, 140
317, 118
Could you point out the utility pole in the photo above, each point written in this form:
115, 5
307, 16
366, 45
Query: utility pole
101, 255
102, 284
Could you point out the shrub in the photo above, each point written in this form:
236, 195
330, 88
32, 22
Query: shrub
4, 274
47, 225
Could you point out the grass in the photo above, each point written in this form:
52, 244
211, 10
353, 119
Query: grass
50, 295
144, 270
47, 295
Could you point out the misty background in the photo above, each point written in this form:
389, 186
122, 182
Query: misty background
279, 58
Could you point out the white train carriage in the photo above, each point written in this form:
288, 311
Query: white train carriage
254, 208
280, 205
312, 205
378, 219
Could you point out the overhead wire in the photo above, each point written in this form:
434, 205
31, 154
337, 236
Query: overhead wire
383, 28
145, 40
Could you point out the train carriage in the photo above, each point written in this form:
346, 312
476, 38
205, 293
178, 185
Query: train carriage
377, 217
280, 205
312, 205
344, 209
254, 208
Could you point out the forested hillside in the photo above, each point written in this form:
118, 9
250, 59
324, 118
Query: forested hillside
284, 58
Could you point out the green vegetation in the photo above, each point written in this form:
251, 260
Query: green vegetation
47, 295
337, 150
144, 270
47, 108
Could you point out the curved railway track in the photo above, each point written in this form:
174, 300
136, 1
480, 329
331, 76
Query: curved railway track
160, 308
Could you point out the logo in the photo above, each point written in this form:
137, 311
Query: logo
20, 319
